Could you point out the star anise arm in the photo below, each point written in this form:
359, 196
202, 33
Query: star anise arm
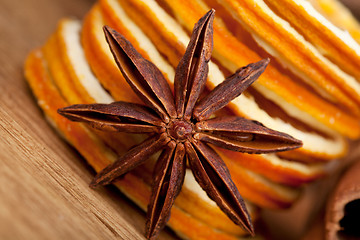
143, 76
213, 176
229, 89
117, 116
243, 135
192, 71
169, 177
133, 158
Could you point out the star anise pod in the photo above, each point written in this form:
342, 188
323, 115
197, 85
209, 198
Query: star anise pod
181, 127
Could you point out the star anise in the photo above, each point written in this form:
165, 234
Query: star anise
181, 127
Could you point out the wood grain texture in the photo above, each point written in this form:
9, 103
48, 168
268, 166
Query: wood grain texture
44, 191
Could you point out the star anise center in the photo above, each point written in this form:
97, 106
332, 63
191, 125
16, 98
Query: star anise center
180, 130
181, 126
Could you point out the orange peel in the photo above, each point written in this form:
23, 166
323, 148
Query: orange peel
69, 66
291, 49
244, 105
332, 42
279, 170
100, 59
339, 15
302, 173
232, 54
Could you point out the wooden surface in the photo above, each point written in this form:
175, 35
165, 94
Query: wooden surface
44, 191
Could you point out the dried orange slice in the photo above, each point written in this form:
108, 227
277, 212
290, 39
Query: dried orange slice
260, 190
233, 54
202, 208
100, 59
272, 165
49, 99
70, 68
339, 15
243, 105
72, 75
279, 170
332, 42
273, 85
290, 48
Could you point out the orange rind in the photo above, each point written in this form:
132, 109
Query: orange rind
334, 43
279, 170
69, 66
339, 15
195, 201
283, 42
328, 148
233, 54
50, 99
305, 174
100, 59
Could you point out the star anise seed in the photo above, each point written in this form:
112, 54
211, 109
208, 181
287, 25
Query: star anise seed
181, 128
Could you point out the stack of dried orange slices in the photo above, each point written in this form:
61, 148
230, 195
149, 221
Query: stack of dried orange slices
310, 90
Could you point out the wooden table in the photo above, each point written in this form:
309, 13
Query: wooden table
44, 191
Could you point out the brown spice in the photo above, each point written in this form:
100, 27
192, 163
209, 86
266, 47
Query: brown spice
181, 127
